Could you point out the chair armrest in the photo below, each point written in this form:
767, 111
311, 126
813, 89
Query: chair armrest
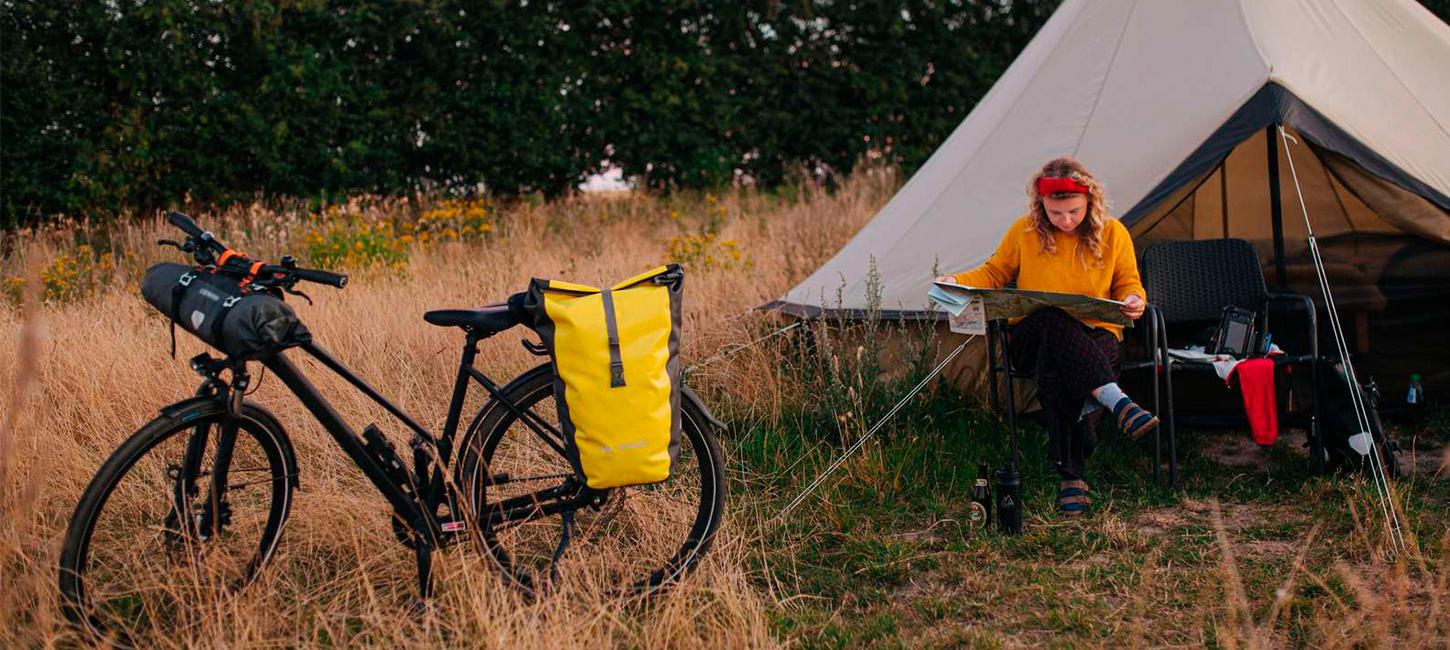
1157, 335
1300, 299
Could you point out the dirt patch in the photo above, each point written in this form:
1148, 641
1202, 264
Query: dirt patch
1237, 517
1157, 523
1426, 461
1263, 549
1235, 451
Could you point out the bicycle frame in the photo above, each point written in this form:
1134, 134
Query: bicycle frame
420, 511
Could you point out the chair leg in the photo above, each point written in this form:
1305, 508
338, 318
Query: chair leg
1171, 413
1153, 346
1316, 444
1011, 414
992, 368
1172, 429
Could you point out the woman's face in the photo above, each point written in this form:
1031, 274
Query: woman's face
1066, 213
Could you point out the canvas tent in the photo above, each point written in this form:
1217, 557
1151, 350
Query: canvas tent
1172, 105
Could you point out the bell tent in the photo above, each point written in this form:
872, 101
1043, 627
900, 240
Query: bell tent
1175, 106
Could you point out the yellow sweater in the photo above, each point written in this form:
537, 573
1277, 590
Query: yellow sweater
1019, 257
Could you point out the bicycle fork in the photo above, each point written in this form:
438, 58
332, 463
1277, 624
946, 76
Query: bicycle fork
215, 513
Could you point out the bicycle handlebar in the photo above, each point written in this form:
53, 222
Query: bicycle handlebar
186, 224
329, 278
208, 251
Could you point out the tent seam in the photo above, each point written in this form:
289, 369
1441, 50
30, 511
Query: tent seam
1239, 106
1254, 39
1393, 73
1112, 61
937, 199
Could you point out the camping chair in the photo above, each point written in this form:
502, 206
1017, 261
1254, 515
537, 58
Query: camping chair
999, 336
1193, 281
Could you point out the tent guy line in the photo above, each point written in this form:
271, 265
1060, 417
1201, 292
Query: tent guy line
872, 431
1381, 483
743, 346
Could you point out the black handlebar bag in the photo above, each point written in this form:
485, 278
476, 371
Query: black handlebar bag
221, 312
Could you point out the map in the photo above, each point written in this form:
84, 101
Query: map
970, 308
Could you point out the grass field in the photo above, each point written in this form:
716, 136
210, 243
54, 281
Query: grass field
1252, 551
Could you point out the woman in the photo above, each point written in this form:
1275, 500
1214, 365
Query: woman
1068, 243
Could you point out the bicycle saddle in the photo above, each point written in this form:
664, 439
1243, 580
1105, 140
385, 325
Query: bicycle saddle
484, 321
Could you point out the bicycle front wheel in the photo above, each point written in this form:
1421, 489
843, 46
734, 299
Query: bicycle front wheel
152, 544
639, 538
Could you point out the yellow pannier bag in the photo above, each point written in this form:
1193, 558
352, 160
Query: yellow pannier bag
616, 372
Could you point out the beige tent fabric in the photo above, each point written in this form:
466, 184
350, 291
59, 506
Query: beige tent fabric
1379, 69
1405, 210
1233, 201
1132, 88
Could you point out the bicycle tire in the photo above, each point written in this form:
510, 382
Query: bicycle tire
138, 458
699, 468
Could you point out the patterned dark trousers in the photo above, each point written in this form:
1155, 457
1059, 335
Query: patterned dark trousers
1067, 359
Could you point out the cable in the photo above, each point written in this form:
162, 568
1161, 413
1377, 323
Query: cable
872, 431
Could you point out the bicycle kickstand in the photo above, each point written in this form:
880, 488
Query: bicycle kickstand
564, 539
425, 579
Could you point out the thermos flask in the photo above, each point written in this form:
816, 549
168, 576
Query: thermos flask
1009, 499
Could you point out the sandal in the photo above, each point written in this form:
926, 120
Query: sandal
1134, 420
1072, 498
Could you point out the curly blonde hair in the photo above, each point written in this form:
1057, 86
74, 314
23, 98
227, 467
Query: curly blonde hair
1090, 231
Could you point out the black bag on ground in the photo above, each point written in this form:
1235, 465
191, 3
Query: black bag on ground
217, 310
1345, 442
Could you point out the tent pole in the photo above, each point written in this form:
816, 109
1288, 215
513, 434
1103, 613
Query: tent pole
1277, 210
1223, 194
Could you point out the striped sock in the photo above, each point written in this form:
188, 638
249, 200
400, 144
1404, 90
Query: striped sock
1109, 394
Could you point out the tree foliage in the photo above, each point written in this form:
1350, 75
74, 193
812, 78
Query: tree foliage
136, 104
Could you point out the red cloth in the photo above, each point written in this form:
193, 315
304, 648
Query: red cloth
1256, 383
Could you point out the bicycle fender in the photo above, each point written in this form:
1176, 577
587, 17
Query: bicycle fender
191, 408
694, 399
196, 407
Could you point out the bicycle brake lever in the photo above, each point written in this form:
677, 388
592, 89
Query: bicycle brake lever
298, 293
168, 242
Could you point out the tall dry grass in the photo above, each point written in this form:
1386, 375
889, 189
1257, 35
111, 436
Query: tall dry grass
79, 375
83, 374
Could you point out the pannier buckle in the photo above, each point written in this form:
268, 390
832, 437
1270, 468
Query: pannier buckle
231, 300
185, 279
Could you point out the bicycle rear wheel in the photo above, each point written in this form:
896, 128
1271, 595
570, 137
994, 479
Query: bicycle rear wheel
149, 547
637, 540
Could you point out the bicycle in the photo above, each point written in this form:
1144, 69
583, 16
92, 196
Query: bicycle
200, 494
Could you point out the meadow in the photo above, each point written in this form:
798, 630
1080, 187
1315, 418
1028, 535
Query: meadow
1251, 551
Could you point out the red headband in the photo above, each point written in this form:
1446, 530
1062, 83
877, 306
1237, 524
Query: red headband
1047, 186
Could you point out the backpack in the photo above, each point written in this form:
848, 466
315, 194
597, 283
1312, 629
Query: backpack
218, 310
1345, 444
616, 372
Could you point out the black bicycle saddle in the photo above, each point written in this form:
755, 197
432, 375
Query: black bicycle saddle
484, 321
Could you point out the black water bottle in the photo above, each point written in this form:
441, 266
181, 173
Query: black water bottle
980, 513
1009, 499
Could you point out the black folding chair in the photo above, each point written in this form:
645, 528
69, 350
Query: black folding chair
999, 337
1192, 282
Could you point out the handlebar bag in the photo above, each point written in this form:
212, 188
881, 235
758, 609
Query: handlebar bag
219, 311
616, 367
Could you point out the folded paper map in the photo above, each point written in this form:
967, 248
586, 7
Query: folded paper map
969, 308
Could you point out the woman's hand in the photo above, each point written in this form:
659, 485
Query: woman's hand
946, 278
1133, 306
